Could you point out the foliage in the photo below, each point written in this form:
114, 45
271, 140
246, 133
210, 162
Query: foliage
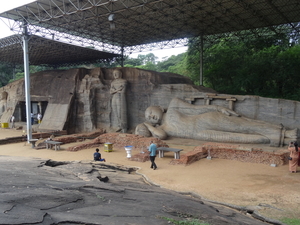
173, 64
146, 59
19, 72
171, 61
148, 66
132, 62
267, 66
141, 60
185, 222
290, 221
6, 72
18, 76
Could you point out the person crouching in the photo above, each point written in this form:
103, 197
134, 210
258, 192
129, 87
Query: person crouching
97, 156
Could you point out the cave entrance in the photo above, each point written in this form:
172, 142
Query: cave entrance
36, 107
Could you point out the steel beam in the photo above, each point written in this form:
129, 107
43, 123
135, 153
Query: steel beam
201, 60
25, 38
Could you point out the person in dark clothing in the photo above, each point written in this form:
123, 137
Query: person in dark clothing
97, 156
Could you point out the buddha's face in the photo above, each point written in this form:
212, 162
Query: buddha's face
117, 74
153, 114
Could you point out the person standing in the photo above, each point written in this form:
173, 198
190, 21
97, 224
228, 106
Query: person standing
152, 149
12, 120
32, 118
39, 117
294, 155
299, 159
97, 156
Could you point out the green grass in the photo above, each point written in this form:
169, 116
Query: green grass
101, 197
185, 222
290, 221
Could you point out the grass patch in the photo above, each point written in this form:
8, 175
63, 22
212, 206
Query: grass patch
185, 222
290, 221
101, 197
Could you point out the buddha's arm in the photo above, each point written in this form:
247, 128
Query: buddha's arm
118, 86
156, 131
189, 109
113, 90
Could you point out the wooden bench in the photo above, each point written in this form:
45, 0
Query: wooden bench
33, 141
50, 144
176, 151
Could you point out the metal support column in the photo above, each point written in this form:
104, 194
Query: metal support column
201, 60
25, 38
14, 71
122, 55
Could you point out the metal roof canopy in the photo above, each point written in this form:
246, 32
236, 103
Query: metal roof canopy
48, 52
127, 24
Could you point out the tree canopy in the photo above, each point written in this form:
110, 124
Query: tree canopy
266, 66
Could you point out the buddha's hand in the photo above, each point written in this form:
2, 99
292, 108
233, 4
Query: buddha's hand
227, 112
147, 124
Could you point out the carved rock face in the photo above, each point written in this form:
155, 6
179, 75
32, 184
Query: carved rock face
4, 95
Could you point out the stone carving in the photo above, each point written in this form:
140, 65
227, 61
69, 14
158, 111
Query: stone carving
3, 101
87, 98
211, 123
119, 105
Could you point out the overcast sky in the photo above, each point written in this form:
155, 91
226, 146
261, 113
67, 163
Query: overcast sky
10, 4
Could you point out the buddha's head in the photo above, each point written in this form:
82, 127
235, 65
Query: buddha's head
117, 74
154, 114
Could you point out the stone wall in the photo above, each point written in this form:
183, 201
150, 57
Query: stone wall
246, 154
190, 157
120, 140
23, 138
234, 152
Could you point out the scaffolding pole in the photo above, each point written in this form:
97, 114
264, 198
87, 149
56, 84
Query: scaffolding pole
25, 38
201, 60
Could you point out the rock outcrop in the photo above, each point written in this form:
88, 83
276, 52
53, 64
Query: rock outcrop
79, 100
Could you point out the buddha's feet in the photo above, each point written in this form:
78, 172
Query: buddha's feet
118, 129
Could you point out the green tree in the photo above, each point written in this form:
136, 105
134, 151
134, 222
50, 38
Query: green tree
166, 63
147, 62
132, 62
266, 66
148, 66
180, 67
6, 73
149, 58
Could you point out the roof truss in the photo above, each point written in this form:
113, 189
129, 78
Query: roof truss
57, 53
135, 25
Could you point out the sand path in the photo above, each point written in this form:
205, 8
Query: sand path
272, 191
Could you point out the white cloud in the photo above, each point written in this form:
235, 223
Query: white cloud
8, 5
11, 4
162, 53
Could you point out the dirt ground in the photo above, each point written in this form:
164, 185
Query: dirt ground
272, 191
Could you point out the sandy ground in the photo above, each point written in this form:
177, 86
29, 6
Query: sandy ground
272, 191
